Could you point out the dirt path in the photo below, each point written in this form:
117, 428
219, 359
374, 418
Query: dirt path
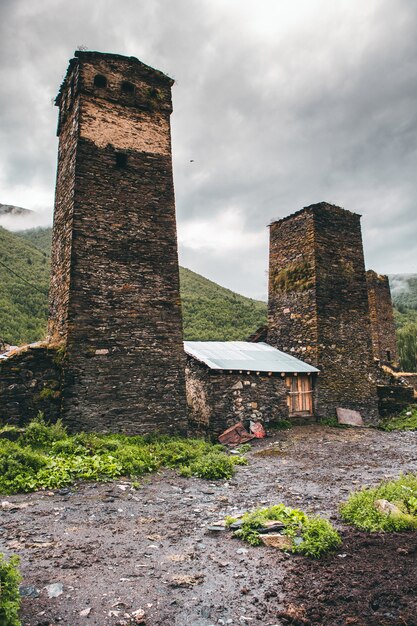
116, 550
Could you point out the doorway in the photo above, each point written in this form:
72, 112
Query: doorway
300, 395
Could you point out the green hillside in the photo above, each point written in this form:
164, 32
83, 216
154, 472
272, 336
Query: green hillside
213, 313
210, 312
41, 238
23, 306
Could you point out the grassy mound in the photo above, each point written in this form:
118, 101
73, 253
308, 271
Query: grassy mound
9, 591
360, 509
45, 456
311, 536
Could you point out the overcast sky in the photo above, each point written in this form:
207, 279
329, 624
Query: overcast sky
278, 103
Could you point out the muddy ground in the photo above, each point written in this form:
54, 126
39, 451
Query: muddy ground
116, 549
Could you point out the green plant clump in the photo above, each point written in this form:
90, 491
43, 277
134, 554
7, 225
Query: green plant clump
45, 456
406, 420
360, 510
9, 591
311, 536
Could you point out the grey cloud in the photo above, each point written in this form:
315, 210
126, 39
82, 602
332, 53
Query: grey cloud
324, 110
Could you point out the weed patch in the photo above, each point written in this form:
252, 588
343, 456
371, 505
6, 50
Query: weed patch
45, 456
9, 591
360, 509
406, 420
310, 536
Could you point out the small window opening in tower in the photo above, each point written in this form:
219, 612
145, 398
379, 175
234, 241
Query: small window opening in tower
127, 87
100, 81
388, 356
121, 159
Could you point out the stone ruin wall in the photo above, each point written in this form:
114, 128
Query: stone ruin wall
384, 342
318, 304
217, 401
115, 304
30, 381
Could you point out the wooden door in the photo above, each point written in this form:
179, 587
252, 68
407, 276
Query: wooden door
300, 395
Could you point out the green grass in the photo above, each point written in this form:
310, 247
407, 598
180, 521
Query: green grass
310, 536
360, 510
9, 591
45, 456
406, 420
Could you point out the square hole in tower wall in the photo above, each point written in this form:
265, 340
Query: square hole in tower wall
121, 160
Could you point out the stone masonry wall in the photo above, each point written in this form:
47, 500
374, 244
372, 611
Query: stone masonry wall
115, 236
384, 342
30, 381
217, 401
318, 304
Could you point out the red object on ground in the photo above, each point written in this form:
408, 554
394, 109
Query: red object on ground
258, 430
235, 434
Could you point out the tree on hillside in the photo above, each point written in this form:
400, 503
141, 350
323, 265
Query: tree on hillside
407, 347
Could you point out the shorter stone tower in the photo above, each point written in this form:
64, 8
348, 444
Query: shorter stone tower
384, 340
114, 298
318, 304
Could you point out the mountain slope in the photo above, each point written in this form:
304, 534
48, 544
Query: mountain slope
210, 312
23, 306
41, 238
213, 313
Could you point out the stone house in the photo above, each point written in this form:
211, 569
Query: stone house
232, 381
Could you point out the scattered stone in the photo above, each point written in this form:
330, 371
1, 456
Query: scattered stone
186, 580
271, 526
54, 590
242, 551
216, 527
387, 508
139, 616
349, 417
29, 592
14, 506
236, 525
282, 542
85, 612
178, 558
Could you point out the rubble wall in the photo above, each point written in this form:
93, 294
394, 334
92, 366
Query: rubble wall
393, 399
30, 381
384, 341
318, 304
217, 401
121, 322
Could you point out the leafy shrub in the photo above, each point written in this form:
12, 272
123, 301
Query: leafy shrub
318, 536
360, 510
41, 434
213, 465
44, 456
402, 421
9, 591
18, 467
312, 537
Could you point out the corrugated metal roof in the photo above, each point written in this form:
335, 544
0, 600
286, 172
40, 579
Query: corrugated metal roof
245, 356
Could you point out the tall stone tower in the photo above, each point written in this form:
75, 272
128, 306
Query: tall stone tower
318, 304
384, 341
114, 299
